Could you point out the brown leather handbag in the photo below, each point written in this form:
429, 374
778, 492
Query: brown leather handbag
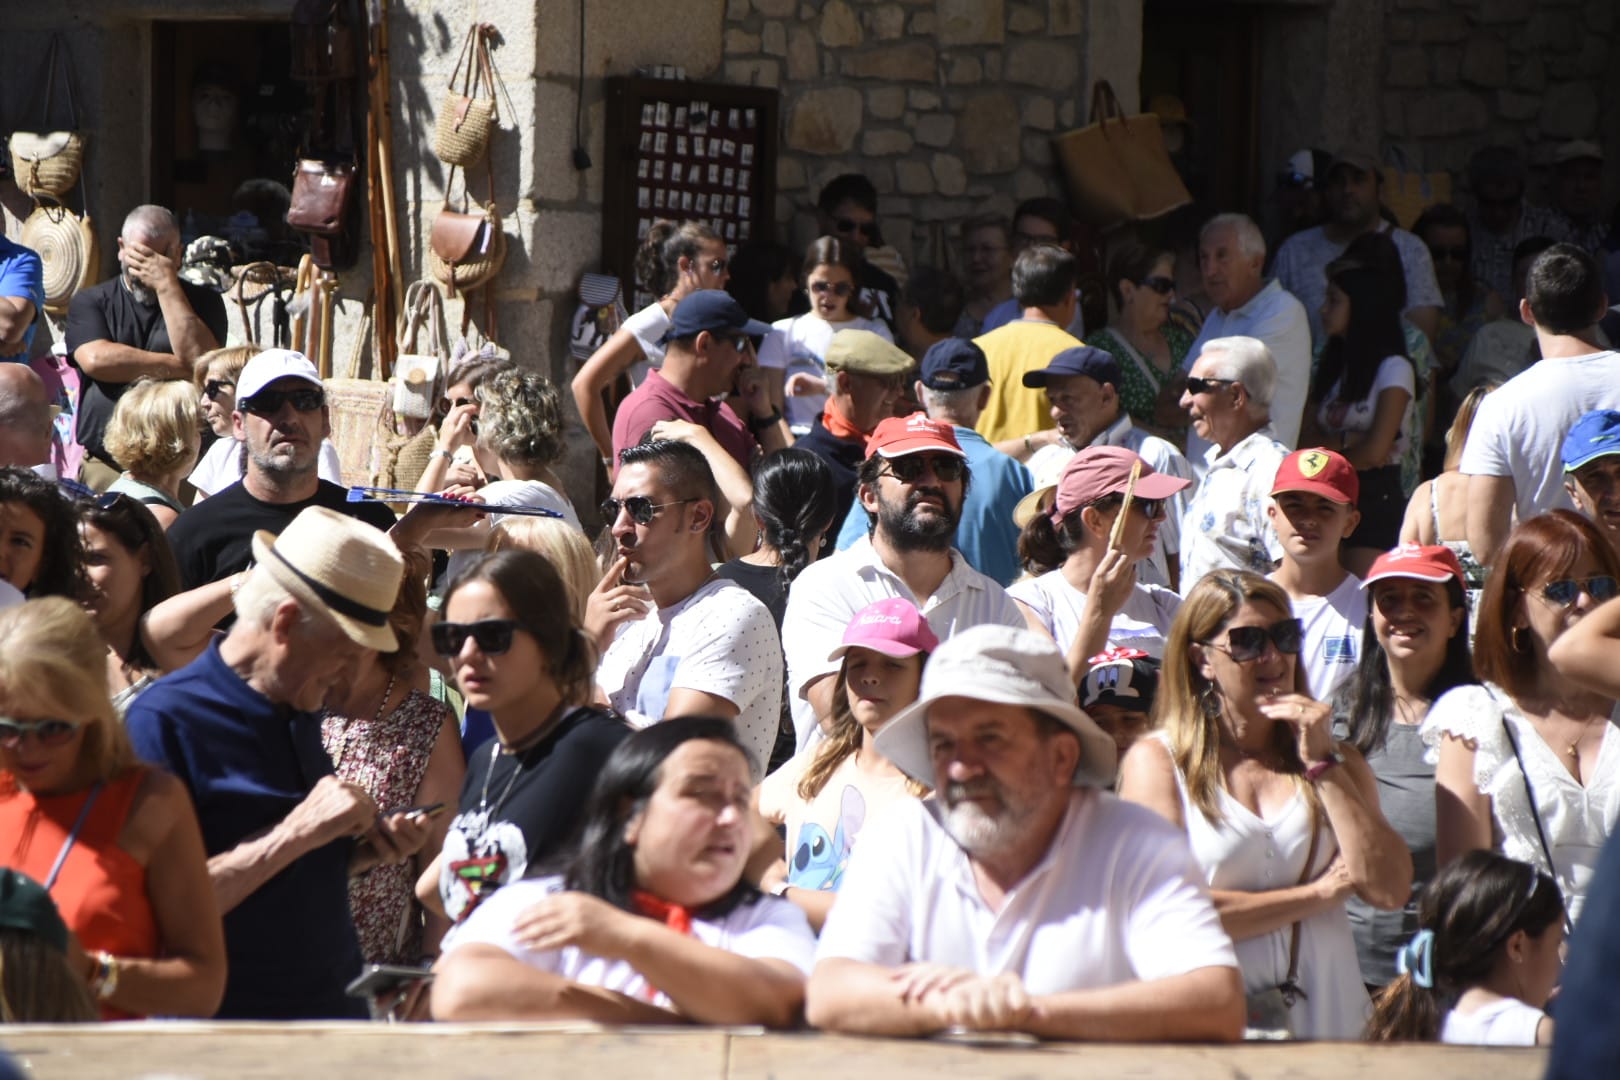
467, 247
320, 196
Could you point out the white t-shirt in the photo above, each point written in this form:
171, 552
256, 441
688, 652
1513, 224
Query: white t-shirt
648, 326
800, 344
531, 493
1116, 898
1507, 1022
767, 929
1356, 417
821, 833
1143, 623
1519, 429
222, 466
721, 641
1330, 647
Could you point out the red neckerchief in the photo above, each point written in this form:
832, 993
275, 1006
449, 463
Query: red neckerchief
674, 916
838, 427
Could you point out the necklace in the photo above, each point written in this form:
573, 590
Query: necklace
494, 756
343, 744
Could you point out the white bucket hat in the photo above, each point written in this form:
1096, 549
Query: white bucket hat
338, 565
1007, 666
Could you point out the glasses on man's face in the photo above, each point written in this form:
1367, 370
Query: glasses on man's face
1160, 284
214, 389
839, 289
1206, 386
492, 636
909, 469
640, 508
849, 227
1566, 591
44, 732
1246, 644
269, 402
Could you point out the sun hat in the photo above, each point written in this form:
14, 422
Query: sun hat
338, 565
26, 906
1425, 562
901, 435
893, 627
1318, 471
272, 364
1007, 666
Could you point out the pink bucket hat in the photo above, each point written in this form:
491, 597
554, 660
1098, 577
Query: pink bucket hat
893, 627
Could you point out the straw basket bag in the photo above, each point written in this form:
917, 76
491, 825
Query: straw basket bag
48, 162
466, 248
468, 115
66, 244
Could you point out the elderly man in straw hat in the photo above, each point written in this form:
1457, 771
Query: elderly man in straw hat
1022, 896
241, 727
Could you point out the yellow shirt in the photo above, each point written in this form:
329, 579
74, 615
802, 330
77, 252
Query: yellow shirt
1023, 345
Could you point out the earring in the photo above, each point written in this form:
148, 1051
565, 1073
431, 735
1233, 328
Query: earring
1209, 702
1516, 641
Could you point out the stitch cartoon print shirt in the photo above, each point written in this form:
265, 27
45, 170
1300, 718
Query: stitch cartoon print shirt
822, 832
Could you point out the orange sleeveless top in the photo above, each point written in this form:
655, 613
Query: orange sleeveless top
101, 889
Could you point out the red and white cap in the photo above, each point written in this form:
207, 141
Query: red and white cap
901, 435
1424, 562
893, 627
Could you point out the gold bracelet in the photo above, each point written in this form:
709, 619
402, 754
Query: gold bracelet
104, 983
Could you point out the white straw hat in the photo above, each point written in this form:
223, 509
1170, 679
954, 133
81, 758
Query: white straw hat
338, 565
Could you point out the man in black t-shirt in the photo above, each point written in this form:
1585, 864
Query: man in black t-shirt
847, 209
144, 322
281, 417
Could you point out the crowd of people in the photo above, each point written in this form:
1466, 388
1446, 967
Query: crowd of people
935, 662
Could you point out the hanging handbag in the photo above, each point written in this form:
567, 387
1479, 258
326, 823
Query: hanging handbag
321, 191
67, 248
467, 115
1270, 1011
418, 376
466, 247
599, 315
1116, 168
48, 162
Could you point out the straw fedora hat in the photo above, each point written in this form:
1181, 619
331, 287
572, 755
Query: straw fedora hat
340, 566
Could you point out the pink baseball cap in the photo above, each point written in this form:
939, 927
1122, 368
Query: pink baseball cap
1425, 562
901, 435
893, 627
1097, 471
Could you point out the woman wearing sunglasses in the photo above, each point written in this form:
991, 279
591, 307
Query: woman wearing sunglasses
222, 463
1147, 345
796, 349
40, 552
651, 919
1527, 765
116, 844
1284, 821
130, 570
517, 653
1087, 598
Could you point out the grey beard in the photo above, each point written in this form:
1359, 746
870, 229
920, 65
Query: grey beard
143, 294
279, 468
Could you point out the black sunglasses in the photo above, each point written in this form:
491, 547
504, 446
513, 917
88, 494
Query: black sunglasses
837, 288
909, 469
1162, 285
1245, 644
214, 389
640, 508
46, 732
492, 636
269, 402
1206, 386
1566, 591
718, 266
868, 229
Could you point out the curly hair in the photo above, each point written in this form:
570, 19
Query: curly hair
61, 561
520, 418
154, 427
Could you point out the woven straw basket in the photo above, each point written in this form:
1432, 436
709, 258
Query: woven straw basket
461, 137
47, 164
67, 247
472, 272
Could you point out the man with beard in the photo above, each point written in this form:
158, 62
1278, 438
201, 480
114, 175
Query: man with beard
146, 322
912, 485
281, 416
676, 639
1022, 897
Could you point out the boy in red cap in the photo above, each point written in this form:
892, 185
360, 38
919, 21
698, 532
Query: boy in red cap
1313, 510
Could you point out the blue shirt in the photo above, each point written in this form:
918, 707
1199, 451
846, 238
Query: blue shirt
986, 535
247, 763
22, 275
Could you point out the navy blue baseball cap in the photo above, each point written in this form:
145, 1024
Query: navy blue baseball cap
954, 364
711, 310
1081, 360
1595, 435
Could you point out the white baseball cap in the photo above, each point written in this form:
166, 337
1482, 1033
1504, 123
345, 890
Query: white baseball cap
272, 364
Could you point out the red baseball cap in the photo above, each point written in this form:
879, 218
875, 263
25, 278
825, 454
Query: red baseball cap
1321, 472
1097, 471
1425, 562
901, 435
893, 627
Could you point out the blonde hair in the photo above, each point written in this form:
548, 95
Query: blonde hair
561, 545
37, 986
234, 358
1457, 434
53, 664
1183, 705
154, 426
842, 741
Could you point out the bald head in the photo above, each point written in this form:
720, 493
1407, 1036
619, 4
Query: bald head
25, 417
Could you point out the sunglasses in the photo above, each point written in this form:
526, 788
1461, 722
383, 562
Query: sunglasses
269, 402
1245, 644
867, 229
1162, 285
640, 508
492, 636
214, 389
839, 289
909, 469
1565, 591
1206, 386
45, 732
718, 266
456, 403
741, 343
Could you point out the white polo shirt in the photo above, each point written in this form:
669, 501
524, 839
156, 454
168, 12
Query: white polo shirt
1226, 524
826, 596
1117, 898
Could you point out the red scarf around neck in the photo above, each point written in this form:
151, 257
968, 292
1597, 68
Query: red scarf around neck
839, 427
674, 916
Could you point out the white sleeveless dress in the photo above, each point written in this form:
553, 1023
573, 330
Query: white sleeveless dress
1246, 853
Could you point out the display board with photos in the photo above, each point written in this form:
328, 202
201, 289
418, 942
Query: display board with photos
685, 151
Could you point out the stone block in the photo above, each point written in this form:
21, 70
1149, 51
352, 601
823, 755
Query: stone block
909, 118
1592, 60
1552, 31
775, 9
992, 66
736, 10
790, 174
1408, 66
950, 175
1040, 113
825, 120
1394, 115
1452, 112
935, 129
741, 42
922, 99
1447, 64
1051, 65
580, 234
1037, 150
839, 27
773, 39
801, 54
969, 22
881, 173
1485, 61
944, 209
754, 73
1025, 19
887, 22
1435, 28
1399, 28
1504, 11
618, 39
988, 131
886, 141
1532, 75
1068, 115
913, 178
923, 23
1599, 16
964, 71
1514, 106
1064, 17
1569, 111
886, 103
911, 62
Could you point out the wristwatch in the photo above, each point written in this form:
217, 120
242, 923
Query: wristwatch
1316, 769
780, 888
438, 452
757, 424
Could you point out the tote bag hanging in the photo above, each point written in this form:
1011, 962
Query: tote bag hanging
47, 162
1116, 168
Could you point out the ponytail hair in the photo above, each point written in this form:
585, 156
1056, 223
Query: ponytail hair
658, 260
1466, 915
1044, 546
794, 503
